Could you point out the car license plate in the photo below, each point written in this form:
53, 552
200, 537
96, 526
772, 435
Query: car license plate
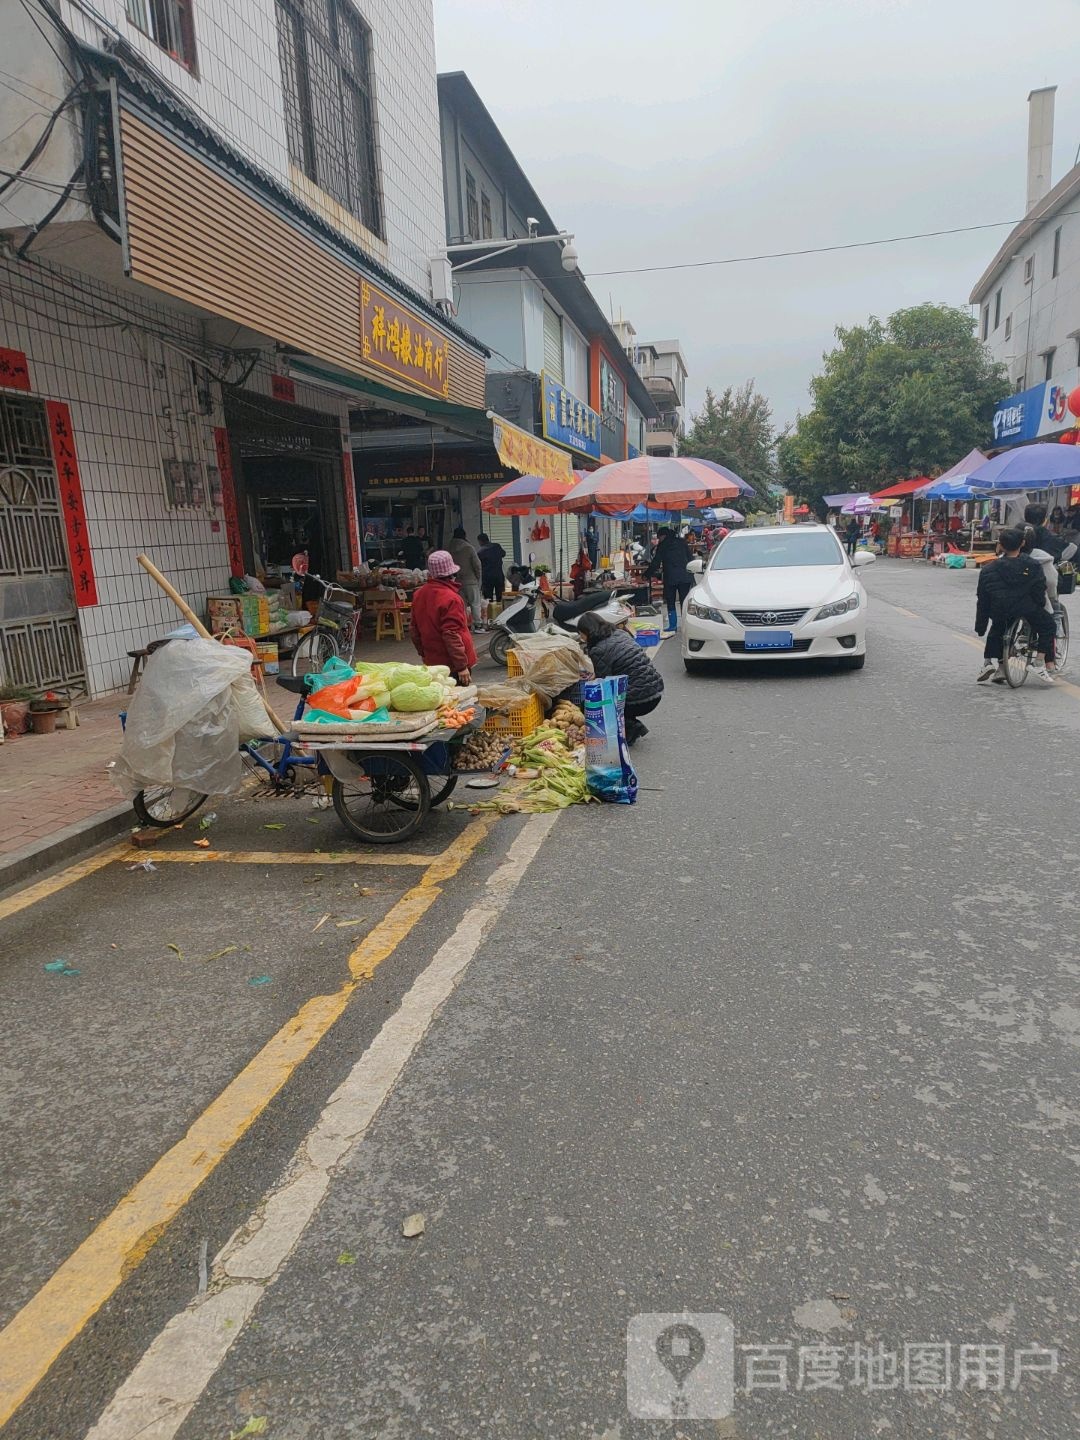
769, 640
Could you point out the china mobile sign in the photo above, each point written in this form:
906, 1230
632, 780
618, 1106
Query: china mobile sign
1037, 412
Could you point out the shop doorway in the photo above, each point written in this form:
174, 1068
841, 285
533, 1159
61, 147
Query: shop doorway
40, 644
290, 495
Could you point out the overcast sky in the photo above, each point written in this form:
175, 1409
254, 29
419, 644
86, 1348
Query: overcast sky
689, 130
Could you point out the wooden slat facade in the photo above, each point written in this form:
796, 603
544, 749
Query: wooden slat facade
194, 234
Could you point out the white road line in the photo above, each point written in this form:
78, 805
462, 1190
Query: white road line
161, 1391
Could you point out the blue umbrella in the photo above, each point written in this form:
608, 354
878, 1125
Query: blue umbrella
1029, 467
641, 514
960, 488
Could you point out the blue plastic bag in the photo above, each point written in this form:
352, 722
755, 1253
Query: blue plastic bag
608, 771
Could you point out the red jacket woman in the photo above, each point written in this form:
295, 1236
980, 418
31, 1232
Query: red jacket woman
440, 623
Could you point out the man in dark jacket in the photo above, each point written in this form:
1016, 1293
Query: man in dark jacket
1013, 587
671, 556
614, 652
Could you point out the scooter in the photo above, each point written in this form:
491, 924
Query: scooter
519, 617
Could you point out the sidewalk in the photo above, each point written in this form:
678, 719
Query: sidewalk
56, 797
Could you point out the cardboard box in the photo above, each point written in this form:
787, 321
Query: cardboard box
268, 656
248, 613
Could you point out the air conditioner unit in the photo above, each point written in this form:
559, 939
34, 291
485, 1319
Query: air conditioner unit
442, 283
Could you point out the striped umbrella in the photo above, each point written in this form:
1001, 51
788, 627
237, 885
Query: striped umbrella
527, 495
661, 482
744, 487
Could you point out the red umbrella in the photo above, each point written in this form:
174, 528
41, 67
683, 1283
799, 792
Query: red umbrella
527, 495
660, 482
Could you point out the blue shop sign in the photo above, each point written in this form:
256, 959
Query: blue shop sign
568, 421
1018, 418
632, 452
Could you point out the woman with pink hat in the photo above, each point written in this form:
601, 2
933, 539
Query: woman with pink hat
440, 623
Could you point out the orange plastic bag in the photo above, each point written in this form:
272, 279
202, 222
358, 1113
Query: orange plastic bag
335, 699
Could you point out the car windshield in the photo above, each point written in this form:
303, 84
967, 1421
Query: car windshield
765, 552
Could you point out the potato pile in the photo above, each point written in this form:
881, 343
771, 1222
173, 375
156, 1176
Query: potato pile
480, 751
569, 719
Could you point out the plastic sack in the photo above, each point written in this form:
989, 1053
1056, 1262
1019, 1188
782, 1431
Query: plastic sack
337, 699
608, 771
503, 695
254, 722
955, 562
183, 726
332, 673
554, 669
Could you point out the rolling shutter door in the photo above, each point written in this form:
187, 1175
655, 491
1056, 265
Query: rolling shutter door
553, 346
499, 527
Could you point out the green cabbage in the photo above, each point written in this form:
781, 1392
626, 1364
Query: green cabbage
411, 696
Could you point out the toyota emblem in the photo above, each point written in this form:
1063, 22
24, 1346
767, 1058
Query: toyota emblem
770, 617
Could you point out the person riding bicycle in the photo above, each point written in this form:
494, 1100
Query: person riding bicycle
1049, 549
1011, 588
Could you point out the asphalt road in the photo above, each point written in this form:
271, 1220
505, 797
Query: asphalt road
794, 1040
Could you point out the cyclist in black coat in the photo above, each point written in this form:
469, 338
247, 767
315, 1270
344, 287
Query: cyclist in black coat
1013, 587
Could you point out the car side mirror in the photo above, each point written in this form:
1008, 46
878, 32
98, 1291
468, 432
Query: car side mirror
863, 557
696, 566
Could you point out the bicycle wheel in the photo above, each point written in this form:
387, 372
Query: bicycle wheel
1061, 644
163, 806
312, 653
387, 803
1016, 653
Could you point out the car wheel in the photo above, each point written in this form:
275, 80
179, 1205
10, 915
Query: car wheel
694, 667
852, 662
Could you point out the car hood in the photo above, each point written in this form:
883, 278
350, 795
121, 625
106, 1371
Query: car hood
785, 587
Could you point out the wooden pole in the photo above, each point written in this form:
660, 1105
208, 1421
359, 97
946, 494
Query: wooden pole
197, 625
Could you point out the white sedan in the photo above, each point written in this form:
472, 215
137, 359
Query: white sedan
781, 592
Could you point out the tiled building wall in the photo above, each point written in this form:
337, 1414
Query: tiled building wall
238, 90
113, 359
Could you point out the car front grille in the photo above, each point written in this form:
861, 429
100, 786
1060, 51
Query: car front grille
769, 617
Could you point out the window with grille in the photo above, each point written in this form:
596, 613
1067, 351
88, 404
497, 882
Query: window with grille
169, 23
1048, 364
997, 309
553, 343
472, 211
1008, 327
485, 214
1057, 254
325, 51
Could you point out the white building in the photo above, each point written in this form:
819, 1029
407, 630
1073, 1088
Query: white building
221, 231
1028, 298
662, 366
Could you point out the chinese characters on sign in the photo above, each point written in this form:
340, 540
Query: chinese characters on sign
14, 371
228, 501
397, 341
282, 388
71, 502
529, 455
569, 422
352, 520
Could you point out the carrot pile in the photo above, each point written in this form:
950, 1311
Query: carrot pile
452, 719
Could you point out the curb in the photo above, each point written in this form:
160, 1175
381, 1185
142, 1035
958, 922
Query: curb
43, 854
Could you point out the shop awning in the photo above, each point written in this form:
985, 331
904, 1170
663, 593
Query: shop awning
521, 451
902, 489
463, 419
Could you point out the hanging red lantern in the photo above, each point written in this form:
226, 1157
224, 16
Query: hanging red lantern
1073, 401
1070, 437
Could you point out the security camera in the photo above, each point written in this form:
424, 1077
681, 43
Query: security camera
569, 257
533, 224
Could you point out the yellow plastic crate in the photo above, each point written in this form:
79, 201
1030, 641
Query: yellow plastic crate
522, 720
513, 664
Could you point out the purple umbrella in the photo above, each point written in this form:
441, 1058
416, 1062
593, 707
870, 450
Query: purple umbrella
1030, 467
744, 488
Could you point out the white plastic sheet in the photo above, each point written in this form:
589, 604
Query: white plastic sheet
183, 724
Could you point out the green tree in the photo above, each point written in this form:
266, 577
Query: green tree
736, 429
897, 398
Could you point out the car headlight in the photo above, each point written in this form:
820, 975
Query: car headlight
704, 612
838, 607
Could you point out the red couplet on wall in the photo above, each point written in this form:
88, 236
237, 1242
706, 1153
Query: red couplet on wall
71, 502
351, 517
228, 501
14, 371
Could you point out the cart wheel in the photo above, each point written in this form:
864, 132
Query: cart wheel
386, 804
163, 806
445, 791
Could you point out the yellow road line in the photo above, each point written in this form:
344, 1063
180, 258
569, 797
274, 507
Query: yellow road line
44, 888
47, 1323
279, 857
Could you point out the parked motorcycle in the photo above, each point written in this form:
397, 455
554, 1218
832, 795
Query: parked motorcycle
556, 618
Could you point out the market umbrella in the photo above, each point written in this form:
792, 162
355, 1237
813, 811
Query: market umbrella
837, 502
1029, 467
902, 489
744, 487
660, 482
725, 516
861, 505
527, 495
